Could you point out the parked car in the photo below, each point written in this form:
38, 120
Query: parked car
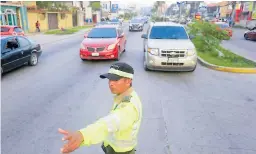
136, 25
17, 51
103, 42
11, 30
168, 47
225, 26
250, 35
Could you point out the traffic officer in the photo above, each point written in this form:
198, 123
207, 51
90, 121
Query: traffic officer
118, 130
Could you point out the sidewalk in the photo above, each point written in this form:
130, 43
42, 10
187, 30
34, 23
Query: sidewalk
42, 38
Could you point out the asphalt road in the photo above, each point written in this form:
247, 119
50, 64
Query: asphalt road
239, 45
204, 112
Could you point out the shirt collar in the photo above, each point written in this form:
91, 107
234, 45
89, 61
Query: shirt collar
119, 98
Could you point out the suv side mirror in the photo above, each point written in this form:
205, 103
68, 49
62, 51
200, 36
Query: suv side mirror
144, 36
191, 37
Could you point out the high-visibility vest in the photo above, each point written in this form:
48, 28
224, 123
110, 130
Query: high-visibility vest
119, 129
126, 140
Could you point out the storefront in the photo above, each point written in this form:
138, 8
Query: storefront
14, 15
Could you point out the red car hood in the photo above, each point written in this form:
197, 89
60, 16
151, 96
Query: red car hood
96, 42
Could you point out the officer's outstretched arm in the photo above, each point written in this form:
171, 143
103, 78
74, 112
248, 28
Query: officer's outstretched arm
120, 119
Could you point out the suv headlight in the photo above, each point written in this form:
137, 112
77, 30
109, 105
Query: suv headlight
153, 51
82, 46
191, 52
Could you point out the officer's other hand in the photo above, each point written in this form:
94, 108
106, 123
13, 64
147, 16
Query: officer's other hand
74, 140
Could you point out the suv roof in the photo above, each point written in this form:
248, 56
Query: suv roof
166, 24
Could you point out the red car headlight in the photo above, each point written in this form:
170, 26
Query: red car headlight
111, 47
82, 46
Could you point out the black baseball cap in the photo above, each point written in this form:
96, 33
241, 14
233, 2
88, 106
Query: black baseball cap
117, 71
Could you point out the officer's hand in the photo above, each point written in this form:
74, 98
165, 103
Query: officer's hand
74, 140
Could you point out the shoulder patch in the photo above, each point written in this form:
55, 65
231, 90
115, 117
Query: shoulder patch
126, 99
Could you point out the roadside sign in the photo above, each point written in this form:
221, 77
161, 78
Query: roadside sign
114, 8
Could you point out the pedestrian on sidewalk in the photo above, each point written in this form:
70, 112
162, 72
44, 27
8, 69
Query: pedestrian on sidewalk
37, 26
118, 130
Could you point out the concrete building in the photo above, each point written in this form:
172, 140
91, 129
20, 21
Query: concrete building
14, 13
47, 19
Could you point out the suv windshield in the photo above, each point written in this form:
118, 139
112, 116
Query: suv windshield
168, 32
136, 21
102, 33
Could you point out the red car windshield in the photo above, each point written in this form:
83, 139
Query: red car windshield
102, 33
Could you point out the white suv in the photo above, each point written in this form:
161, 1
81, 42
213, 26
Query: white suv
167, 47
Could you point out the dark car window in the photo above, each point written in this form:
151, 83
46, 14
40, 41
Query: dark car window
5, 29
18, 30
102, 33
11, 44
168, 32
23, 42
2, 44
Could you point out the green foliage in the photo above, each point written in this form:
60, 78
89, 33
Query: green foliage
207, 42
95, 5
121, 16
67, 31
207, 36
52, 6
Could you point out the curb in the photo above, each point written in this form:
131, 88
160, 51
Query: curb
226, 69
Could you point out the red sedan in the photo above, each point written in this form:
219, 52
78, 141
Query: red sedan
103, 42
11, 30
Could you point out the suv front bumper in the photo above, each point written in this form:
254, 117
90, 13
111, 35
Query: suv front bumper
173, 64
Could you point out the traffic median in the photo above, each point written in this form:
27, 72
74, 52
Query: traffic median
212, 55
64, 31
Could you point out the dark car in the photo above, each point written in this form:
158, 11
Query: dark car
250, 35
136, 25
17, 51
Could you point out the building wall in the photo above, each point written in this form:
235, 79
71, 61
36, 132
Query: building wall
43, 20
21, 12
223, 9
67, 22
3, 8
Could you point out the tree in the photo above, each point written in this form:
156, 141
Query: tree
95, 5
207, 36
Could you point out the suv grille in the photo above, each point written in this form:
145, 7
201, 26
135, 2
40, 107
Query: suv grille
99, 49
173, 53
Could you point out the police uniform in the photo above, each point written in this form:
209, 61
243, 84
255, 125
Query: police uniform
118, 130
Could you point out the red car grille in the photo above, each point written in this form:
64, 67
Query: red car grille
99, 49
90, 49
